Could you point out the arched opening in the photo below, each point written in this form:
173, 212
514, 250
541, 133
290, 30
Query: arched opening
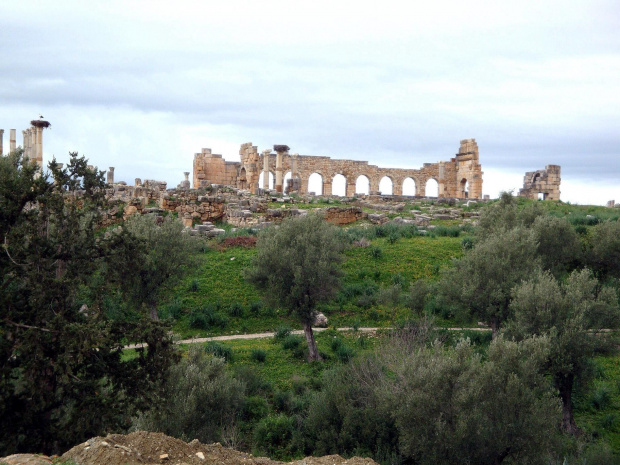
409, 187
339, 185
362, 185
432, 188
541, 196
386, 185
464, 188
535, 178
315, 183
271, 180
242, 178
287, 176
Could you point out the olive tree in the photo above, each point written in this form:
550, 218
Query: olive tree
297, 267
571, 314
480, 283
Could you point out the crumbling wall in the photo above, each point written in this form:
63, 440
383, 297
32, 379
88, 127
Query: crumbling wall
545, 182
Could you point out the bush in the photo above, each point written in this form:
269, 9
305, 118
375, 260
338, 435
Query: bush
272, 437
600, 398
336, 343
376, 252
219, 350
344, 353
282, 332
207, 318
282, 401
200, 399
255, 308
259, 355
254, 407
236, 310
193, 286
172, 310
291, 342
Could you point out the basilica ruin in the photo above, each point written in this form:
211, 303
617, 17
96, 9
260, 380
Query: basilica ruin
460, 177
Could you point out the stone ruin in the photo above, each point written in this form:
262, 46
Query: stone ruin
542, 184
32, 141
460, 177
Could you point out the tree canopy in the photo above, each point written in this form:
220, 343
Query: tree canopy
62, 375
297, 265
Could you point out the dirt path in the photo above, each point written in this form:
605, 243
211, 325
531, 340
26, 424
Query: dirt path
232, 337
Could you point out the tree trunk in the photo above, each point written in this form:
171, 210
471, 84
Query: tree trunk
313, 352
153, 312
494, 327
565, 386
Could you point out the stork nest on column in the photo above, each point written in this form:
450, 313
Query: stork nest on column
39, 123
281, 148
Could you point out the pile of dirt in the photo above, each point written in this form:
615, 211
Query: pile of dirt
143, 448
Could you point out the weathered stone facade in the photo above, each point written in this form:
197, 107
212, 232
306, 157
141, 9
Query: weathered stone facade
545, 182
460, 177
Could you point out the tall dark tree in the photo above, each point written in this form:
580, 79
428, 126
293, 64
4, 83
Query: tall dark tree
298, 266
571, 314
62, 375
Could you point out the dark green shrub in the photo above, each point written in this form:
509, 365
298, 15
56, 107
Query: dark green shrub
236, 310
393, 238
254, 383
467, 243
600, 398
219, 350
193, 286
375, 252
172, 310
336, 343
254, 407
282, 332
282, 400
272, 437
344, 353
255, 308
291, 342
259, 355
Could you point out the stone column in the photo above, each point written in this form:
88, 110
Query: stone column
327, 187
38, 154
280, 151
1, 141
110, 175
25, 144
12, 138
266, 154
351, 187
397, 187
31, 143
373, 188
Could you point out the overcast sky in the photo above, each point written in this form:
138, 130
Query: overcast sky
142, 86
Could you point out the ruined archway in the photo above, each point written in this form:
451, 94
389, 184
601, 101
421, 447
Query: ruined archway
432, 188
271, 180
287, 176
386, 186
315, 183
362, 185
409, 187
464, 188
242, 180
339, 185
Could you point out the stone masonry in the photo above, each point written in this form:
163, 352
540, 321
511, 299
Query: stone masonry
545, 182
460, 177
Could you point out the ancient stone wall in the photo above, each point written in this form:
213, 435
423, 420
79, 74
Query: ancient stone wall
460, 177
545, 182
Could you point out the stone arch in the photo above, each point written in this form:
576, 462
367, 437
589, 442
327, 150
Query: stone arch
339, 185
362, 184
464, 188
272, 179
285, 179
409, 186
431, 188
386, 185
242, 178
315, 183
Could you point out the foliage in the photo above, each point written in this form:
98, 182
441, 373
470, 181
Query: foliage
451, 406
63, 378
558, 244
570, 314
201, 399
481, 282
297, 266
168, 254
604, 255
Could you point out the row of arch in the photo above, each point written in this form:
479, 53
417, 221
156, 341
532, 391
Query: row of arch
362, 185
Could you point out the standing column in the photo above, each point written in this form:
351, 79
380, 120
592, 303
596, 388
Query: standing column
280, 151
266, 154
1, 140
31, 144
110, 175
38, 154
25, 144
12, 141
